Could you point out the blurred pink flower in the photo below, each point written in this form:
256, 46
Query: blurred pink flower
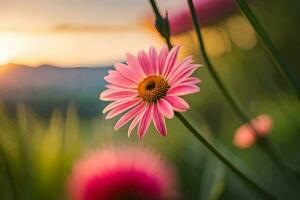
150, 85
122, 173
245, 136
207, 11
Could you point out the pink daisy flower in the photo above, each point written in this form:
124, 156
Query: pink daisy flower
245, 136
150, 86
124, 173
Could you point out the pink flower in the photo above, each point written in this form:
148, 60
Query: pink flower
124, 173
245, 136
207, 12
150, 86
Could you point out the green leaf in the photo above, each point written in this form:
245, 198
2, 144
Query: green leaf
213, 180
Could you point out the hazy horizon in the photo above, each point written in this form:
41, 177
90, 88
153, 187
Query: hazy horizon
11, 64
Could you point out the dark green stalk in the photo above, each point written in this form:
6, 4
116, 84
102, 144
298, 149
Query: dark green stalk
24, 148
221, 157
160, 23
240, 111
155, 10
10, 177
233, 101
274, 53
267, 147
237, 106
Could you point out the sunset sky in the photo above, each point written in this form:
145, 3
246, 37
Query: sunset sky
74, 32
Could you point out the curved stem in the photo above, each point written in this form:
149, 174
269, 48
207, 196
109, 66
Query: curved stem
218, 154
274, 53
240, 111
236, 105
9, 173
267, 147
221, 157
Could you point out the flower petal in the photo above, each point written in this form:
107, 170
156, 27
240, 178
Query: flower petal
113, 86
118, 79
179, 104
171, 59
129, 115
114, 94
191, 81
181, 64
136, 120
127, 72
133, 63
159, 122
144, 62
121, 108
145, 121
183, 90
162, 59
165, 108
118, 103
153, 58
183, 73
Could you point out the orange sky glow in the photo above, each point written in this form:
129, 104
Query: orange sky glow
72, 49
73, 33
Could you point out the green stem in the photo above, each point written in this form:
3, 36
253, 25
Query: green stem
9, 174
273, 52
236, 105
221, 157
155, 10
161, 24
267, 147
240, 111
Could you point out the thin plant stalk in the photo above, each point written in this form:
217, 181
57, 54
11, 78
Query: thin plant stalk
24, 148
220, 156
196, 133
273, 52
238, 108
236, 105
10, 177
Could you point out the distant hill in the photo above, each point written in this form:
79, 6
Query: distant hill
46, 87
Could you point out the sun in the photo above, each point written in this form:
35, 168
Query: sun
4, 56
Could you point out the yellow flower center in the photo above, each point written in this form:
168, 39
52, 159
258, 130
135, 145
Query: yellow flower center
153, 88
